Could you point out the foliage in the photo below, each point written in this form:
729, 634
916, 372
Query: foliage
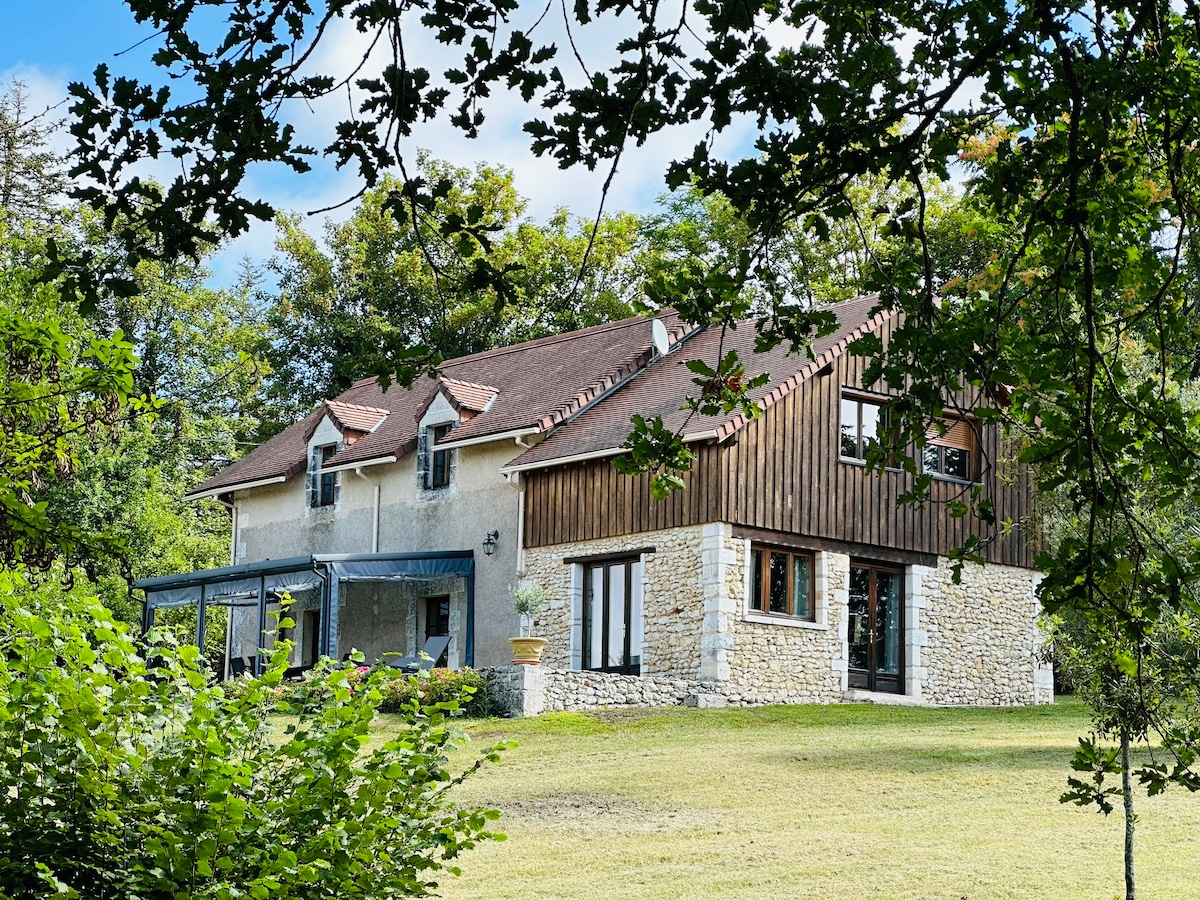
387, 293
466, 686
528, 598
1078, 125
124, 773
65, 392
31, 176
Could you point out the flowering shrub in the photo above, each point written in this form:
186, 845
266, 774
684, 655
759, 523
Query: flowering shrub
437, 686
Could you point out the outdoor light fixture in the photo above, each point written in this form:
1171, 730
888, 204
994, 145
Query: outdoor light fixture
489, 543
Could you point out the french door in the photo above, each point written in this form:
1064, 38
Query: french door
875, 631
612, 616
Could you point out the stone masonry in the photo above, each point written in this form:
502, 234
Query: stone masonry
674, 611
975, 643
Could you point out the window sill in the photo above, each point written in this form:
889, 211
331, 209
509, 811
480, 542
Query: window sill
862, 463
950, 479
785, 621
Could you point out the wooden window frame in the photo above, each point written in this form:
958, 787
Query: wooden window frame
439, 460
326, 494
764, 592
860, 440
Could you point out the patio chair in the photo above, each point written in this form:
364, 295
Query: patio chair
423, 661
240, 665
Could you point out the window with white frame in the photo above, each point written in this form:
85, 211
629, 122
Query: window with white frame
322, 485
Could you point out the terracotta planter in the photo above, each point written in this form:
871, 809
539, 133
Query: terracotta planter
527, 651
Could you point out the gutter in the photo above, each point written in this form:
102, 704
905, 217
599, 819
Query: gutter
362, 464
516, 434
229, 488
595, 454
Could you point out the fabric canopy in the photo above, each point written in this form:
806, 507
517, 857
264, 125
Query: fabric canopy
257, 584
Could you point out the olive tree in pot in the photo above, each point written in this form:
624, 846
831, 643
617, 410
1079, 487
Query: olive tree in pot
528, 600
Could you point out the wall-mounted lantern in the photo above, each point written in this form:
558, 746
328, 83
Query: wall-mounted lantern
489, 543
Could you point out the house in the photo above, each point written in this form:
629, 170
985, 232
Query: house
785, 572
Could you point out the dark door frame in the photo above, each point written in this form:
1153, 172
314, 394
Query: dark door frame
606, 604
869, 679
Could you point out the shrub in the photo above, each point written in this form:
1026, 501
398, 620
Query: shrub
439, 686
124, 773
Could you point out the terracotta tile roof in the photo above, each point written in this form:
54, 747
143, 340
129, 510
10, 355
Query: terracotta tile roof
467, 398
468, 395
354, 415
532, 385
283, 456
661, 388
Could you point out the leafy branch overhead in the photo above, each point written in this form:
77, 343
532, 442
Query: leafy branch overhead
1069, 320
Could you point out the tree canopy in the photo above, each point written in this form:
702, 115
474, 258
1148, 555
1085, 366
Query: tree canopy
1076, 125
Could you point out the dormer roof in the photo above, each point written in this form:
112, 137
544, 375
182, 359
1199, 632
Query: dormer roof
527, 388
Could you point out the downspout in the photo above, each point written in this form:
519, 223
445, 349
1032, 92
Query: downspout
374, 510
515, 479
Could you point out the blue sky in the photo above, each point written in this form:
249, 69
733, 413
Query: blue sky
49, 43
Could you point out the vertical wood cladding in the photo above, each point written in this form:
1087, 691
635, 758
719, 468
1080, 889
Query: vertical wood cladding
782, 473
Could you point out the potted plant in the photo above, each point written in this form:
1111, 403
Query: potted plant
527, 600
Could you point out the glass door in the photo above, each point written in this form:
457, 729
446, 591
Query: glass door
875, 630
612, 617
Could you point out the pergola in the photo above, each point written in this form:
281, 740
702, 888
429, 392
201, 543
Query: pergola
257, 584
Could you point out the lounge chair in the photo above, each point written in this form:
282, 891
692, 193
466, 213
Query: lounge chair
423, 661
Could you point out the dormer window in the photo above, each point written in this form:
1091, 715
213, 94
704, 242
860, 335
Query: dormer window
439, 467
325, 487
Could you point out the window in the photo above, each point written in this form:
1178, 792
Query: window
439, 460
612, 616
781, 583
860, 426
326, 482
951, 449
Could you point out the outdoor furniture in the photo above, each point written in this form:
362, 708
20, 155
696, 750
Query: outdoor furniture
240, 665
423, 661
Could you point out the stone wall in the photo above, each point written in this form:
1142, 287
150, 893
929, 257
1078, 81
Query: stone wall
976, 643
982, 638
673, 598
789, 661
533, 690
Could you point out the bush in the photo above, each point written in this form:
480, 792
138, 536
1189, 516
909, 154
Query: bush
439, 686
124, 773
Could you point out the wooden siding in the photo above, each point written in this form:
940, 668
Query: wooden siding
781, 473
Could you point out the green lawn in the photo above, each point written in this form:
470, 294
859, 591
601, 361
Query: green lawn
795, 802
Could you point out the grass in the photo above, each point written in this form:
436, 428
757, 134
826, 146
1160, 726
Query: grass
834, 802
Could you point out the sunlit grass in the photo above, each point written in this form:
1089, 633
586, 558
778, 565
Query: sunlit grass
824, 802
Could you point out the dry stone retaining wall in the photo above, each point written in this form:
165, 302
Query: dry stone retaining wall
533, 690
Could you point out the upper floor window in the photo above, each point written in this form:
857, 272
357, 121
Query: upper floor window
860, 426
439, 460
781, 583
950, 451
325, 487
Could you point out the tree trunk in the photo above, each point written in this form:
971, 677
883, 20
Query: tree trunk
1127, 788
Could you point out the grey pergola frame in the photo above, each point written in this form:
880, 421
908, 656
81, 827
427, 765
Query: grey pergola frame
255, 584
